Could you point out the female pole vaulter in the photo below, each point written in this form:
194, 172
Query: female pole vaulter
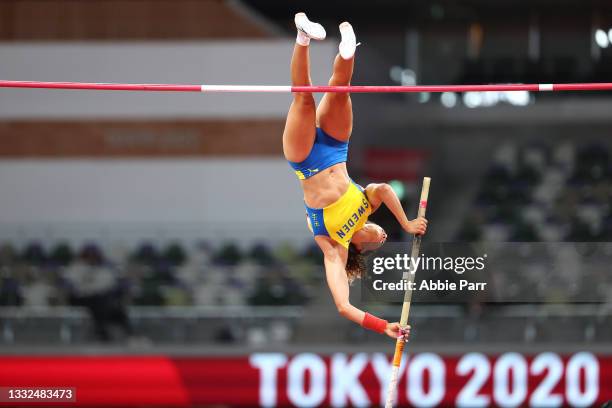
315, 142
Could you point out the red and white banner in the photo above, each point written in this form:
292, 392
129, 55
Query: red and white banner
276, 379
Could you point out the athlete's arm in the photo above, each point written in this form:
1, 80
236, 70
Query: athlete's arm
334, 259
335, 273
382, 193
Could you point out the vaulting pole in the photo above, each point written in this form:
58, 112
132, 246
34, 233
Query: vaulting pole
408, 276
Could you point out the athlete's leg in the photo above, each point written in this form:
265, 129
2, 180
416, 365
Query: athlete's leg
299, 133
335, 112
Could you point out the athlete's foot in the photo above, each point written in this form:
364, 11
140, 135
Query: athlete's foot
348, 44
308, 30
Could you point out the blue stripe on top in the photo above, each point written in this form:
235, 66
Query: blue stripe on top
326, 151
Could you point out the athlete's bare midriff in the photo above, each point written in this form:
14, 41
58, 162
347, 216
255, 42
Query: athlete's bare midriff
326, 187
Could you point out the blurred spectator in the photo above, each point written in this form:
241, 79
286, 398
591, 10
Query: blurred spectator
10, 292
62, 255
34, 255
146, 254
261, 254
275, 287
8, 255
175, 255
94, 285
229, 254
38, 290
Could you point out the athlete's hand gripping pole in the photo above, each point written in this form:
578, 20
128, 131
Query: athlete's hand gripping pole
408, 276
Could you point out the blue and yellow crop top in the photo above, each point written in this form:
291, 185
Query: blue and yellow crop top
326, 151
341, 219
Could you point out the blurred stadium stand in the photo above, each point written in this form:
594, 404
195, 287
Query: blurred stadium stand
544, 192
162, 285
178, 294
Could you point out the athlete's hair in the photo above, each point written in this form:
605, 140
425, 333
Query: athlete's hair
356, 266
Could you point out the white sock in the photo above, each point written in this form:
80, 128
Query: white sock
302, 39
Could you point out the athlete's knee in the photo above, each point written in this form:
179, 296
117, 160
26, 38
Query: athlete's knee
340, 100
304, 100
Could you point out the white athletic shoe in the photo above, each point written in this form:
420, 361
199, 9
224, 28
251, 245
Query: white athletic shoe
348, 44
308, 28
